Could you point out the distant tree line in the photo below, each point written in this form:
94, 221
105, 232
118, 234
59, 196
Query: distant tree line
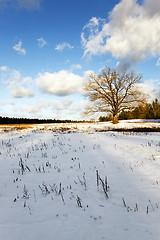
105, 118
142, 111
7, 120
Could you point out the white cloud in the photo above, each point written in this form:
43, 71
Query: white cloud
19, 87
87, 75
19, 49
41, 42
60, 83
75, 66
8, 102
131, 35
42, 108
158, 62
42, 105
61, 47
3, 68
78, 108
149, 87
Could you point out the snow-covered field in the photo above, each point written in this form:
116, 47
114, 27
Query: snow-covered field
79, 183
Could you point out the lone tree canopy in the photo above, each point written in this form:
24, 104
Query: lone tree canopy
113, 91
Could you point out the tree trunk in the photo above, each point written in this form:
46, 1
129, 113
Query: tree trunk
115, 119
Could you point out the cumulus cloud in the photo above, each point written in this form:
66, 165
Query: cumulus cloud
61, 83
61, 47
19, 87
41, 42
19, 49
131, 34
20, 4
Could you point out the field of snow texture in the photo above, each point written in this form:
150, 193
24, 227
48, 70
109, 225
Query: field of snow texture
79, 185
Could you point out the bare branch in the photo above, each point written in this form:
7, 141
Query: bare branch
113, 91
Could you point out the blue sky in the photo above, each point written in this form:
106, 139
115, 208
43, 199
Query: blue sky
49, 48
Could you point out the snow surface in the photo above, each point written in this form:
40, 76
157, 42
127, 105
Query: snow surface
49, 188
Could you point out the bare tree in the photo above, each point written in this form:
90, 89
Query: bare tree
113, 91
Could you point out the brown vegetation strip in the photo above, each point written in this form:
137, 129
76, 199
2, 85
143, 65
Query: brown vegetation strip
130, 130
